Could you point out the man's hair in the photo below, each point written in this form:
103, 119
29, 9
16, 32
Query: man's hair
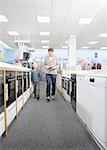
50, 49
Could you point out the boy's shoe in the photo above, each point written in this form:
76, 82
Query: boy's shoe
48, 98
52, 96
38, 98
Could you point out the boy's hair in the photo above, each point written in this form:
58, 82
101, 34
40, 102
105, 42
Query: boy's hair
50, 49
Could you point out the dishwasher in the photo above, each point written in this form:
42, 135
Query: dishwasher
92, 105
97, 108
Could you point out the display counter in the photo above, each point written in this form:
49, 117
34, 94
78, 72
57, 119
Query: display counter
15, 90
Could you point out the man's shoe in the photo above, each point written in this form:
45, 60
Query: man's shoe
53, 98
48, 98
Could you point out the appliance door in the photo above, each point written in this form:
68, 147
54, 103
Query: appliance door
96, 101
73, 96
82, 97
73, 91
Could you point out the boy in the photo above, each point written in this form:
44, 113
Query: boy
35, 77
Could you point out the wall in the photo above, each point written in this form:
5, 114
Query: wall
101, 55
61, 53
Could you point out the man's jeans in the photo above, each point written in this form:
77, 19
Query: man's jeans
50, 78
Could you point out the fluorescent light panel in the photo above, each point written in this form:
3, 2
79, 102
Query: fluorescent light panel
3, 18
44, 33
85, 47
12, 33
93, 42
45, 46
64, 46
66, 42
85, 20
103, 35
44, 41
43, 19
22, 41
88, 1
103, 48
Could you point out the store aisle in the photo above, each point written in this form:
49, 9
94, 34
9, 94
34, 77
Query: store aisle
47, 126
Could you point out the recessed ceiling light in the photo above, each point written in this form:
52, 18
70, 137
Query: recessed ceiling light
66, 42
12, 33
103, 48
44, 33
3, 18
103, 35
93, 42
45, 46
65, 47
22, 41
85, 47
85, 20
44, 41
43, 19
87, 2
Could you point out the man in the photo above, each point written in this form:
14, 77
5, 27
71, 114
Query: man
51, 63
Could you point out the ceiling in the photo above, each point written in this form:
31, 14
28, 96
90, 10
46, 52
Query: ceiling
64, 17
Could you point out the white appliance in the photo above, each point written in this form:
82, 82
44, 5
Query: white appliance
92, 105
66, 87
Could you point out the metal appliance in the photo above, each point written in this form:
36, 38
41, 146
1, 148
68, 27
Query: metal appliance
73, 91
1, 92
10, 82
66, 87
24, 78
19, 84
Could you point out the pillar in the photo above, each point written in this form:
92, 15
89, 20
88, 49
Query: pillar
72, 51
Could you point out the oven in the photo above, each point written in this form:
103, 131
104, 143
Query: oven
19, 84
73, 91
10, 88
1, 92
66, 88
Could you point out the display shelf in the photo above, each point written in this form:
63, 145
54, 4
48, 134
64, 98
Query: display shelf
15, 89
2, 125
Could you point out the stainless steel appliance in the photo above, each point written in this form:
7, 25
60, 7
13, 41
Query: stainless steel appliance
10, 81
66, 87
24, 77
19, 84
1, 92
28, 76
73, 91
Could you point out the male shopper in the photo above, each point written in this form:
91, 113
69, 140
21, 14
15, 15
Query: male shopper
51, 63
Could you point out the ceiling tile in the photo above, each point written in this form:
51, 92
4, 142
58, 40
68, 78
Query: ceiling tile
24, 3
59, 12
43, 12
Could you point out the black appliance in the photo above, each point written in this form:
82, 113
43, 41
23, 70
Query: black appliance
28, 76
1, 92
24, 78
73, 91
26, 56
10, 81
63, 83
19, 82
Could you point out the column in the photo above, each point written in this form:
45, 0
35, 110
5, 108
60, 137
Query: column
72, 50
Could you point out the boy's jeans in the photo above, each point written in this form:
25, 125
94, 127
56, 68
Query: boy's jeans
36, 89
50, 78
